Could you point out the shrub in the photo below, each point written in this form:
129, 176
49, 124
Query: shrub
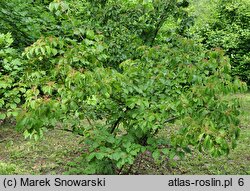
230, 31
117, 81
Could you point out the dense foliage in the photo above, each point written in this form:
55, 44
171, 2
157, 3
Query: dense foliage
230, 30
119, 79
25, 20
11, 86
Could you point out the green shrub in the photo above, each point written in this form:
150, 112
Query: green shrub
117, 81
231, 32
11, 86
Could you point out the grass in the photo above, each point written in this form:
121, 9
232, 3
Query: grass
47, 156
53, 154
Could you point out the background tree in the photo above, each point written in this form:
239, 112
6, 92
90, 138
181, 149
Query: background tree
26, 20
230, 31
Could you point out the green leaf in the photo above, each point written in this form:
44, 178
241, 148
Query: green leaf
115, 156
100, 156
156, 155
42, 50
2, 116
90, 34
54, 51
26, 134
165, 151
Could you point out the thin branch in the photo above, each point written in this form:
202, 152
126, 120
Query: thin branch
89, 121
116, 124
160, 23
3, 140
120, 171
166, 121
72, 131
170, 119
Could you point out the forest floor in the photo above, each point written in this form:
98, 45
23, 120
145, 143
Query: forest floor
55, 153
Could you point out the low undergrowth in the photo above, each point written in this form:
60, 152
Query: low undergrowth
60, 153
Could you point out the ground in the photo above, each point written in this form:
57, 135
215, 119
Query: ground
54, 154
